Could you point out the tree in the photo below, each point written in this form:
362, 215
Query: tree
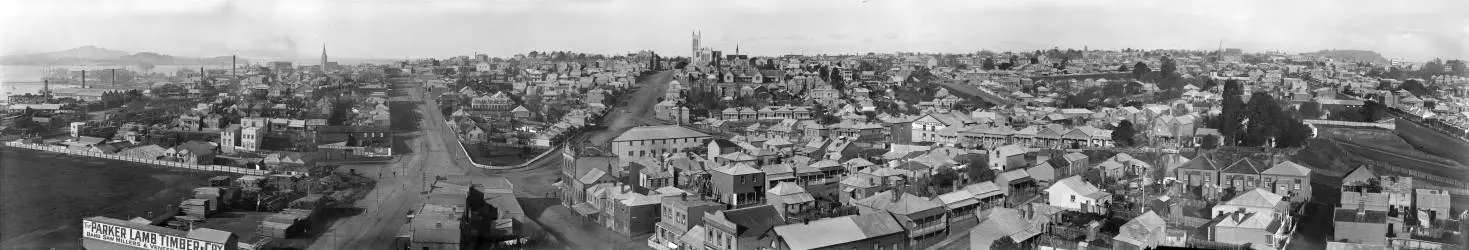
1209, 142
945, 177
1414, 86
1140, 69
1310, 110
1169, 67
1231, 109
1124, 133
1262, 120
989, 64
979, 170
1122, 68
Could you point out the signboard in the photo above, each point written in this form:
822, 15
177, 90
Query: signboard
142, 239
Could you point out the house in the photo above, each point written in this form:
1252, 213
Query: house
741, 228
1124, 166
1244, 174
1361, 226
1075, 164
148, 152
738, 184
1201, 176
987, 194
1290, 180
520, 112
1043, 173
863, 231
652, 141
192, 152
926, 220
680, 215
1007, 157
635, 214
1006, 228
790, 199
580, 169
1146, 231
960, 204
1262, 230
1254, 201
1074, 193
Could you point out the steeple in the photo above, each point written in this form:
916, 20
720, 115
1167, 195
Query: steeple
323, 56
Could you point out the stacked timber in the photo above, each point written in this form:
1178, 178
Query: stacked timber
311, 202
303, 215
221, 181
197, 208
275, 230
281, 225
215, 196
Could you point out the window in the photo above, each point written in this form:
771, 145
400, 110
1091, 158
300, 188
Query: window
1073, 198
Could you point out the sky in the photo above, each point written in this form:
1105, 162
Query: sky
390, 29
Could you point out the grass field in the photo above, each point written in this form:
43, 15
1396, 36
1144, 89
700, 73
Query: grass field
47, 194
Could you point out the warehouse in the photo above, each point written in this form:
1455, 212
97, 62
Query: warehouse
102, 233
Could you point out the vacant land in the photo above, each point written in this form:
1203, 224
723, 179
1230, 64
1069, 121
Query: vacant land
47, 194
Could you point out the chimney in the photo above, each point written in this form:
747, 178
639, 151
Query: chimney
84, 78
898, 192
114, 77
232, 65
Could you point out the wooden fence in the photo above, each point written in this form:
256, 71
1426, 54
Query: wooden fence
64, 150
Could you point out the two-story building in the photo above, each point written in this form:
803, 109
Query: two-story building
655, 141
863, 231
679, 215
741, 228
738, 184
926, 220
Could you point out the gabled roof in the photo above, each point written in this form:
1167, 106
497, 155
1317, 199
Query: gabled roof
1244, 166
983, 189
753, 221
592, 176
786, 188
1143, 228
738, 169
1205, 162
658, 132
904, 205
833, 231
1079, 186
1074, 156
1288, 168
1257, 198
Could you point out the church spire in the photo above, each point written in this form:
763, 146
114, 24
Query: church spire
323, 56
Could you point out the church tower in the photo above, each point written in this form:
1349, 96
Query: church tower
323, 57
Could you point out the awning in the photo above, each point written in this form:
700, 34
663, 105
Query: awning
584, 208
962, 203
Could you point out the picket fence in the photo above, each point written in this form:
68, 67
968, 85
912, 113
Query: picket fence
64, 150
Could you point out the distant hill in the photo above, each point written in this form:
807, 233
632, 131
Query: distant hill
94, 55
1351, 55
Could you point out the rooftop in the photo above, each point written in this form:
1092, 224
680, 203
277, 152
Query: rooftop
658, 132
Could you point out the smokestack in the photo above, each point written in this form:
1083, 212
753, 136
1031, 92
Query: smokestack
232, 66
114, 77
84, 78
46, 88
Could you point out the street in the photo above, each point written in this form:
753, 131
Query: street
386, 206
433, 150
